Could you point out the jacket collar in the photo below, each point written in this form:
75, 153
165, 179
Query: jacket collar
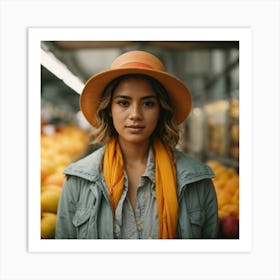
189, 169
89, 167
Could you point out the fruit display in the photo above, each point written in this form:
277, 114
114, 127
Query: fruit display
59, 148
234, 129
222, 128
216, 114
226, 185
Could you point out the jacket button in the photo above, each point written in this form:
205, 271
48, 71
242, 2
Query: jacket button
117, 228
139, 225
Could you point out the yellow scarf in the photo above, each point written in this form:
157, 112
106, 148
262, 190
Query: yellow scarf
166, 194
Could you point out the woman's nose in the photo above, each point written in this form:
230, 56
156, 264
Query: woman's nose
135, 112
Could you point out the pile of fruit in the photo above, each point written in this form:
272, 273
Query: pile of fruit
58, 150
226, 185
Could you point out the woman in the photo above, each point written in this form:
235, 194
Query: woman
137, 186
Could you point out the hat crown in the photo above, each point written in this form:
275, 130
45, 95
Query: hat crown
135, 62
138, 59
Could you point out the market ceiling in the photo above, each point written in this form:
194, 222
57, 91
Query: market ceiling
85, 58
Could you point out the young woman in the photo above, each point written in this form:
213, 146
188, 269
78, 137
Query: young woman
137, 185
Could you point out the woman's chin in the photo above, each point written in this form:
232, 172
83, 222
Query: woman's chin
135, 139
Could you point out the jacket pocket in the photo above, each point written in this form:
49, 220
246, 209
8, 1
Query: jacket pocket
81, 221
197, 218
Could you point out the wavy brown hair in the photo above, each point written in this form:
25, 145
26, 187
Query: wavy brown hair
167, 130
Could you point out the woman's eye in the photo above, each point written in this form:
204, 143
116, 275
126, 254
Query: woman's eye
149, 104
123, 103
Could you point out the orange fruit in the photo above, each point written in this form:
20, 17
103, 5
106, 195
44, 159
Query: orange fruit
223, 198
51, 186
231, 210
55, 178
48, 224
49, 199
232, 185
47, 168
235, 197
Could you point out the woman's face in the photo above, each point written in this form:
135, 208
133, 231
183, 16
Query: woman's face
134, 110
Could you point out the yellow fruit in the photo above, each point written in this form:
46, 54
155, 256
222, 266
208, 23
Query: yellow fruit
48, 223
62, 159
218, 184
235, 197
49, 199
220, 170
223, 178
223, 198
47, 168
231, 210
55, 187
55, 178
222, 213
231, 172
232, 185
226, 184
234, 132
213, 164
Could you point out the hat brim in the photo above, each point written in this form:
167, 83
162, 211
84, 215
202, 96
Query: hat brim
178, 93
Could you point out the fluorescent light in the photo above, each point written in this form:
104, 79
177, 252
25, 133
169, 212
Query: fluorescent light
55, 66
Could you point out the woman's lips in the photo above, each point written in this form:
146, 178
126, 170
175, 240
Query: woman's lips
135, 128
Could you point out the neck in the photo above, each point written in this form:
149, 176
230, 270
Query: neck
134, 153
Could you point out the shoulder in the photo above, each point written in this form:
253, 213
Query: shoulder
88, 167
190, 169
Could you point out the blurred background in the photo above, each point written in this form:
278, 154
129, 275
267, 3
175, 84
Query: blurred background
211, 132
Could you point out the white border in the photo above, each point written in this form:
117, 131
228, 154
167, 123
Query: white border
243, 35
262, 16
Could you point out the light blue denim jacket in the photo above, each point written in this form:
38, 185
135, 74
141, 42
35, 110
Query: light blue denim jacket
85, 212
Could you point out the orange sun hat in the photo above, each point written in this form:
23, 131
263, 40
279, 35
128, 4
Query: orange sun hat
136, 62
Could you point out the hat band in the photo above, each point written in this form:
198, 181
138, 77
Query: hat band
136, 64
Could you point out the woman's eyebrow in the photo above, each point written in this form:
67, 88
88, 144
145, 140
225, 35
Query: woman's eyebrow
129, 97
149, 96
122, 96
